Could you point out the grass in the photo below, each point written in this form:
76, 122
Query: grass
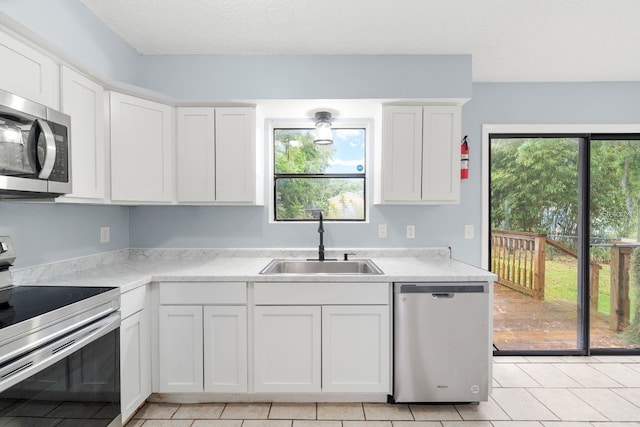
561, 278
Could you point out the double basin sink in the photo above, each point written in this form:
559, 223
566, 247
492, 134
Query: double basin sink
299, 266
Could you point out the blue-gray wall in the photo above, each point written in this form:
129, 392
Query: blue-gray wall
71, 27
47, 232
308, 77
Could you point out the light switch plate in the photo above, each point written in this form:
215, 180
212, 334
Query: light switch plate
468, 231
105, 234
382, 231
411, 231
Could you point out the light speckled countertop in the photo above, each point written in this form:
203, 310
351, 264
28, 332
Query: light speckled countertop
131, 268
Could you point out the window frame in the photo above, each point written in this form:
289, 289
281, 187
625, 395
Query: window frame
365, 124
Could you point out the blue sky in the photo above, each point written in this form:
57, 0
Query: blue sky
350, 151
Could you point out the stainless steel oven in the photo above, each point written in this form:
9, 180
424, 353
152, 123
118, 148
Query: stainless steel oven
34, 149
59, 354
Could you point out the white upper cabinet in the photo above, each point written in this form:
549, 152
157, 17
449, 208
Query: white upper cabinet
83, 100
236, 166
217, 156
441, 137
196, 155
27, 73
142, 157
402, 154
420, 155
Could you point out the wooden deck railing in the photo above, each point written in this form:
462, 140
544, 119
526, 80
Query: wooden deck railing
620, 311
518, 258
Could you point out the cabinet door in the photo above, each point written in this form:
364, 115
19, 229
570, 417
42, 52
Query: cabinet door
83, 100
196, 155
225, 349
402, 154
141, 150
287, 348
441, 155
28, 73
180, 348
235, 155
355, 349
135, 362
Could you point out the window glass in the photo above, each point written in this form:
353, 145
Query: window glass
310, 178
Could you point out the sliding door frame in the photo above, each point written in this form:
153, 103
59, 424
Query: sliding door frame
568, 131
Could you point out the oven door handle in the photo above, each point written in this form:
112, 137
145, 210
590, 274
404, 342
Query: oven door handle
37, 360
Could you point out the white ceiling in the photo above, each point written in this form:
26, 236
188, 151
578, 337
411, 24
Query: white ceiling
510, 40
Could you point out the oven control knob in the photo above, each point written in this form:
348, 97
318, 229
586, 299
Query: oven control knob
3, 247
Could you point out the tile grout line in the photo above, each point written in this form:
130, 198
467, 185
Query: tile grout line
591, 406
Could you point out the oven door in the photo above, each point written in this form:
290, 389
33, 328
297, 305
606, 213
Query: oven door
72, 381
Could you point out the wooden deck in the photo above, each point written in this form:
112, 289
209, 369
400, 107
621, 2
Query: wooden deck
521, 322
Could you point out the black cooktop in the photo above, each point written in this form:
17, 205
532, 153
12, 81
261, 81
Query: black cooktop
20, 303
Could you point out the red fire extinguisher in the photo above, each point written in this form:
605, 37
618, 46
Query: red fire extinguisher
464, 159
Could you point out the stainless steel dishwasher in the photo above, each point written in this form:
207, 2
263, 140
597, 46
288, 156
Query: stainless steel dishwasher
441, 342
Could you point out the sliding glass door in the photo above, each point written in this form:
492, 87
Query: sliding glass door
534, 222
564, 231
614, 235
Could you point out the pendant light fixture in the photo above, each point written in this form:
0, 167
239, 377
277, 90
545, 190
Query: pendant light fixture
323, 128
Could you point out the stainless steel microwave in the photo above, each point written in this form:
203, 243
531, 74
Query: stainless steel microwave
35, 156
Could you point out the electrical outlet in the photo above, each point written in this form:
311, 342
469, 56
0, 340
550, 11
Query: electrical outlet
382, 231
468, 232
105, 234
411, 231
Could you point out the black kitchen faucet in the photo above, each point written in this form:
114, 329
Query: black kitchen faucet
321, 232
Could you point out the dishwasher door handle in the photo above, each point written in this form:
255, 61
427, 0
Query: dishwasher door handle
443, 295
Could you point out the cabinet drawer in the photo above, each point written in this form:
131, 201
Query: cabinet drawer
336, 293
203, 293
133, 301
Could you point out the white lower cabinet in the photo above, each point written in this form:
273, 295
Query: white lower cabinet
355, 348
331, 337
202, 348
202, 337
287, 348
135, 351
180, 348
134, 362
225, 349
328, 347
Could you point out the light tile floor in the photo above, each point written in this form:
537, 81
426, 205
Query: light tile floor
597, 391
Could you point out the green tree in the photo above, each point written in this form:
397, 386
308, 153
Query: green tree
295, 152
534, 185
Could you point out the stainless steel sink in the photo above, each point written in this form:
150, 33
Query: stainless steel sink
299, 266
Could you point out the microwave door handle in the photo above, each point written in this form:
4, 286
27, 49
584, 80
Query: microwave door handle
50, 150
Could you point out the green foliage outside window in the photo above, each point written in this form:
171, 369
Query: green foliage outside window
307, 179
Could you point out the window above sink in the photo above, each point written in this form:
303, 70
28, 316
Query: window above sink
309, 178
